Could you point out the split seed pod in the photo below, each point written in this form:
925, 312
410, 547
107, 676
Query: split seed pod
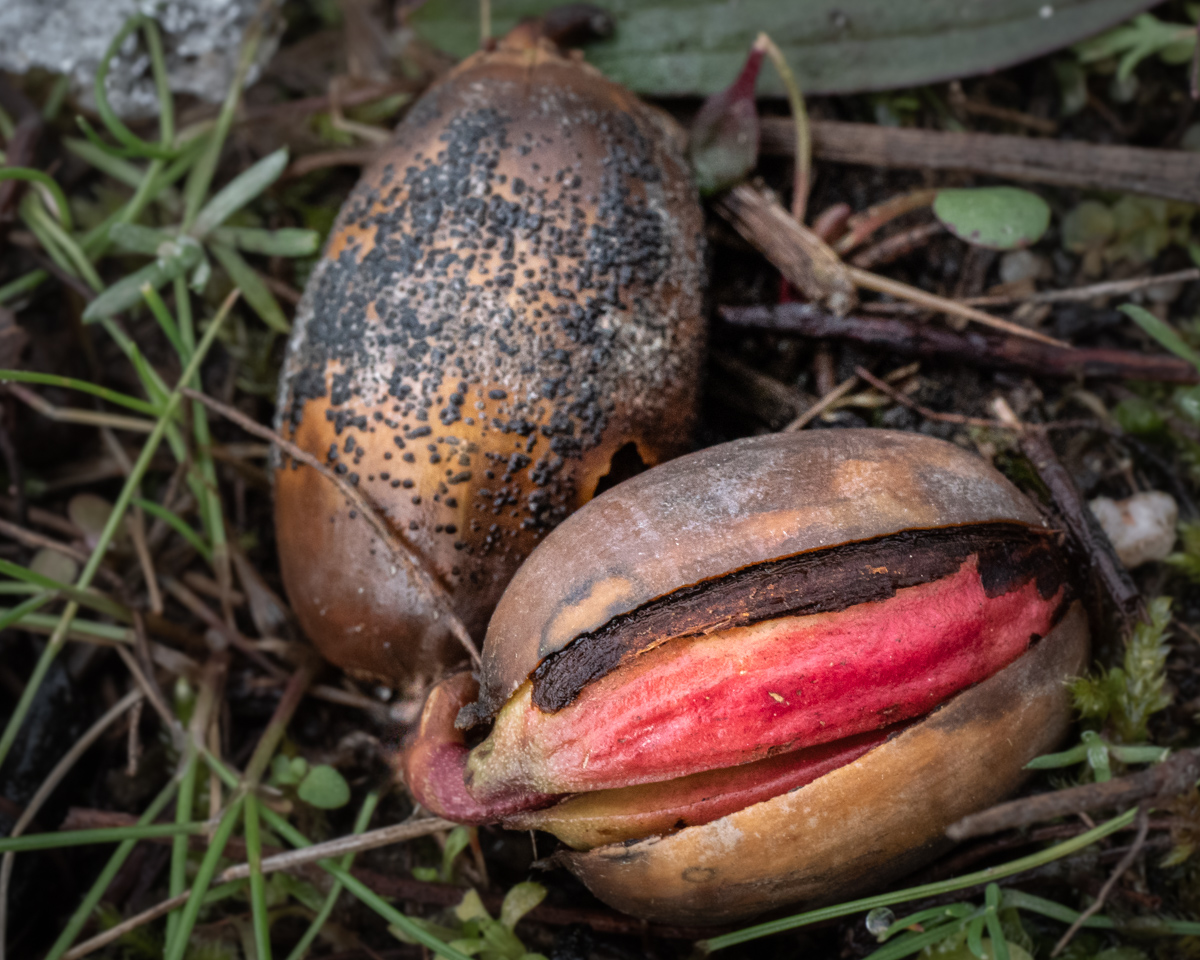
769, 672
507, 313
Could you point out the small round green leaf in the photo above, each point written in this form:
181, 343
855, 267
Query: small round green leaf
1001, 218
324, 787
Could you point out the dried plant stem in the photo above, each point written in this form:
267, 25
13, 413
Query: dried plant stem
861, 225
136, 525
885, 387
818, 408
355, 843
61, 769
1143, 828
91, 418
399, 548
902, 291
802, 177
1167, 779
117, 931
1109, 288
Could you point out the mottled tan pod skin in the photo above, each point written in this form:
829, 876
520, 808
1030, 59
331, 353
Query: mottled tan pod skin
862, 825
509, 299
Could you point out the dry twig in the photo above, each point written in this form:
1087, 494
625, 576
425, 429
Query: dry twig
1170, 778
1143, 828
1173, 174
976, 347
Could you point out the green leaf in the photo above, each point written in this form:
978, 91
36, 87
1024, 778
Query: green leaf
133, 238
1137, 415
252, 287
1000, 218
1087, 226
694, 47
323, 787
178, 524
240, 191
1142, 37
127, 291
1162, 332
519, 901
288, 242
471, 907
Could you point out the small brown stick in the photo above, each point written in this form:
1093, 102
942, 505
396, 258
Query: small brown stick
902, 291
827, 401
354, 843
1143, 828
119, 930
399, 548
981, 108
1170, 778
351, 157
135, 523
42, 542
152, 693
928, 414
231, 635
1110, 288
1173, 174
977, 347
898, 245
1081, 522
861, 225
91, 418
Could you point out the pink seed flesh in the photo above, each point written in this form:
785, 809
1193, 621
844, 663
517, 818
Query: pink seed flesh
743, 694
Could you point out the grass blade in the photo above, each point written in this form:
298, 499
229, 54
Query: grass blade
1162, 332
240, 191
1057, 852
252, 287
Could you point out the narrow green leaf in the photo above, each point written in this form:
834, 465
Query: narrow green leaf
138, 239
178, 524
252, 287
990, 874
288, 242
86, 598
119, 169
1162, 332
1051, 761
82, 838
69, 383
240, 191
128, 290
44, 180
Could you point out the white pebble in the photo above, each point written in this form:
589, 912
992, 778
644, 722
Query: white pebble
1141, 527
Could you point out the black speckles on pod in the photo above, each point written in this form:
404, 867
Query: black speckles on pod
510, 296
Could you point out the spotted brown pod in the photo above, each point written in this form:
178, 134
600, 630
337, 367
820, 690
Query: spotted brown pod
506, 318
770, 672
